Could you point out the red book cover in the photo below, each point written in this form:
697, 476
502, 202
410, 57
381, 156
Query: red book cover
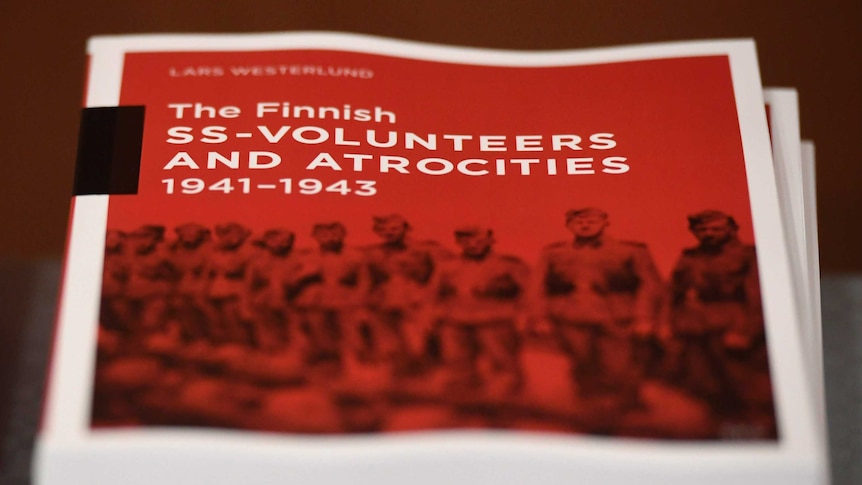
341, 256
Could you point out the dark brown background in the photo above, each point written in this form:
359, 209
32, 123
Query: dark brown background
813, 47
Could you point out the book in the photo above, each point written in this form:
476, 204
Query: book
795, 180
812, 246
797, 192
812, 272
335, 258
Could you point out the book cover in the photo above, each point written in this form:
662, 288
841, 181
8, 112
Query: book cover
340, 256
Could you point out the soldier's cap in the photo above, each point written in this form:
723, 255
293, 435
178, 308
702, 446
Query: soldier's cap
192, 227
473, 230
585, 211
230, 226
147, 229
384, 219
705, 216
327, 226
278, 231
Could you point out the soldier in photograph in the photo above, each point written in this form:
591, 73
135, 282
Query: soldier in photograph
114, 311
190, 253
718, 320
226, 270
151, 276
139, 277
328, 290
601, 297
401, 269
480, 297
266, 280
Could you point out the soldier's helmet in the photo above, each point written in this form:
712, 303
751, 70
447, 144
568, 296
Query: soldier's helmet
702, 217
147, 237
473, 230
474, 240
390, 219
328, 226
192, 231
154, 231
231, 234
229, 226
329, 235
391, 227
277, 238
278, 231
114, 239
583, 212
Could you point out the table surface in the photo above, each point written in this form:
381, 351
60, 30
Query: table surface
28, 295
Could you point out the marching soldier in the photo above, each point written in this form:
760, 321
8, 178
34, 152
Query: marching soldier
151, 277
328, 289
114, 313
266, 278
401, 271
189, 253
480, 297
717, 317
139, 279
226, 272
601, 297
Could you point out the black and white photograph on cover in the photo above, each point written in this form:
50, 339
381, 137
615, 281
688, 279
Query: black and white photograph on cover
219, 326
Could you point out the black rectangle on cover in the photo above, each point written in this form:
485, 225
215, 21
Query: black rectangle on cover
109, 150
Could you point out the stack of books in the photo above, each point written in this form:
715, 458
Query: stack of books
326, 258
